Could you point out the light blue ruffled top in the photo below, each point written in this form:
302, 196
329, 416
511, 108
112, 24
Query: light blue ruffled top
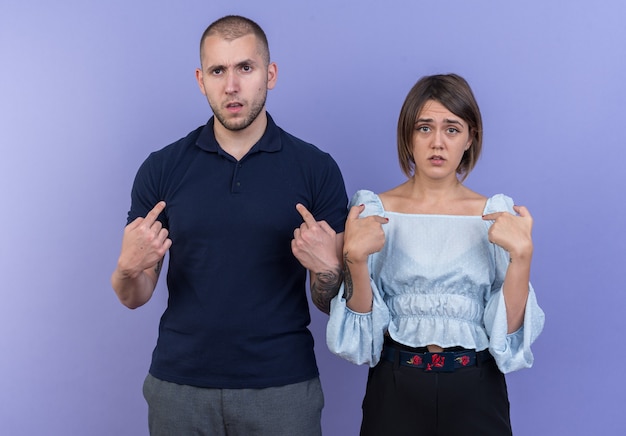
437, 280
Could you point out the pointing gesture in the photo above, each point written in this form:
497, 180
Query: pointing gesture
512, 232
144, 244
314, 243
364, 236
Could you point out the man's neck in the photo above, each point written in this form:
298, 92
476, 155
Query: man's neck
238, 143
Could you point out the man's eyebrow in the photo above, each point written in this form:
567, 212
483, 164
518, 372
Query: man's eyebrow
237, 65
214, 67
247, 62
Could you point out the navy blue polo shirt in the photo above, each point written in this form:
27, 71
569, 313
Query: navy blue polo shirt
237, 311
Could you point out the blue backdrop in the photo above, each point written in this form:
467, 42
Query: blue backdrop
88, 89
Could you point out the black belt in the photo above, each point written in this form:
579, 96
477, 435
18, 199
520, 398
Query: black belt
446, 361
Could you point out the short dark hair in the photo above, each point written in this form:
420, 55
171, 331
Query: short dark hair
235, 26
453, 92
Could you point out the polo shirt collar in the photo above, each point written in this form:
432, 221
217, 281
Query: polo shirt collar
269, 142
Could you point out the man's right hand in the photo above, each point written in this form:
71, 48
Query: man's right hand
144, 244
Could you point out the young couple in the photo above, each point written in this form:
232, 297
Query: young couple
427, 283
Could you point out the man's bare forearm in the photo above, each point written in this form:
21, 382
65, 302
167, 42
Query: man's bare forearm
324, 287
134, 291
349, 287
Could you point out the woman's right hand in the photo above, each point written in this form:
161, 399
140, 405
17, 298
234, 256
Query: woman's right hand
363, 236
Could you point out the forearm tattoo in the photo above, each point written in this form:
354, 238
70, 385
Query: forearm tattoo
324, 288
158, 266
348, 287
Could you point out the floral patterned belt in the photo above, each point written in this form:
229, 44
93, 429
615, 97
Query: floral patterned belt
447, 361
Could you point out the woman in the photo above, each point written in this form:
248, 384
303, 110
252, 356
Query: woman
436, 295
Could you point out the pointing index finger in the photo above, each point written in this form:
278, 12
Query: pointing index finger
152, 216
308, 218
355, 211
492, 216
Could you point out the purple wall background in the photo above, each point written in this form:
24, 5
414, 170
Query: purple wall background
88, 89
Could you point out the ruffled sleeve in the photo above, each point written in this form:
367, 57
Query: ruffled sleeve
511, 351
358, 337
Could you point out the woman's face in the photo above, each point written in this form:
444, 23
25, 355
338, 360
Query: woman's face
439, 140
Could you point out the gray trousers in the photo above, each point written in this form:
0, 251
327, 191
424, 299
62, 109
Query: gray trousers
180, 410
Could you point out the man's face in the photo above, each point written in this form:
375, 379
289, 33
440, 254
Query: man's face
235, 79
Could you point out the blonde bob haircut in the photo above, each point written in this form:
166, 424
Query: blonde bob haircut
453, 92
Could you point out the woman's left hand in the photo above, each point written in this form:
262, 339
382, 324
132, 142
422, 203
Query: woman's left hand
512, 232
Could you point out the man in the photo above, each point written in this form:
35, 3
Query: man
234, 354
